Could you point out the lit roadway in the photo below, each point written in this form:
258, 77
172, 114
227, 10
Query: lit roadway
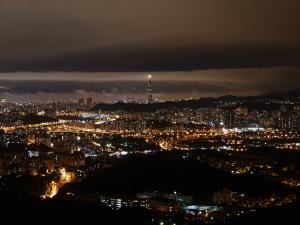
48, 124
54, 186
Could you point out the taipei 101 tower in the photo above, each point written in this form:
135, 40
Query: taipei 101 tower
149, 90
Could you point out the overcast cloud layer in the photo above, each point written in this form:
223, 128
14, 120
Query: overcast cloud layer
142, 35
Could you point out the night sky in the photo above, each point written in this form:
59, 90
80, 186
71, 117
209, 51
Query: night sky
105, 48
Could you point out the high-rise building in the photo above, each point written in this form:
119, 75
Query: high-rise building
51, 111
89, 102
243, 111
288, 120
229, 119
223, 197
81, 101
149, 90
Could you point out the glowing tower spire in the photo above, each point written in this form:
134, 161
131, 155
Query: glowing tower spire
149, 89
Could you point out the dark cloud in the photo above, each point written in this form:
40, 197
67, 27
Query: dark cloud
162, 59
120, 87
142, 35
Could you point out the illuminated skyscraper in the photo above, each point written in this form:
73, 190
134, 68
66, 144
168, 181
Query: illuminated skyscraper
149, 90
89, 102
81, 101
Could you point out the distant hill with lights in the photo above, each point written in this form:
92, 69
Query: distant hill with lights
271, 100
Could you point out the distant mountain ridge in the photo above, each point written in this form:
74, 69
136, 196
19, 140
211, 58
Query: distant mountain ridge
194, 103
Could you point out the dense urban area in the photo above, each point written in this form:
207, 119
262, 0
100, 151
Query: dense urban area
206, 161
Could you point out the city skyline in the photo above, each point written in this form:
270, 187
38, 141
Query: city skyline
112, 87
